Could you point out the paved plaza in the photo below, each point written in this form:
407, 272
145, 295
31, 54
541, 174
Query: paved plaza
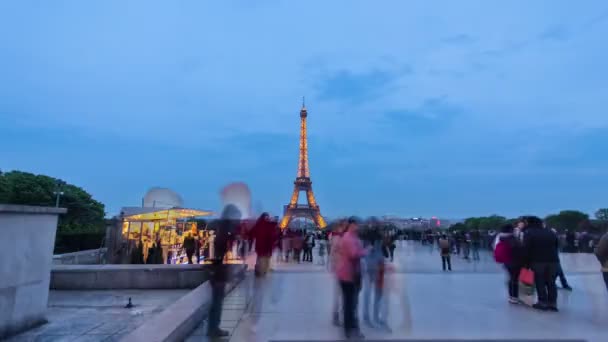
426, 303
92, 316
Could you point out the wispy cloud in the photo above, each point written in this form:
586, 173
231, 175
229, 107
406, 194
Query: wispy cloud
458, 39
357, 87
556, 33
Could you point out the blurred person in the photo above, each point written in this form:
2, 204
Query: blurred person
372, 262
509, 252
466, 245
286, 244
444, 248
334, 256
310, 245
560, 270
197, 249
475, 243
219, 271
459, 237
264, 235
189, 246
298, 244
349, 274
384, 284
601, 253
391, 247
280, 237
541, 248
322, 248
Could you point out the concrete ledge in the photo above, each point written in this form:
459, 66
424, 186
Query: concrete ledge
108, 277
29, 209
87, 257
178, 320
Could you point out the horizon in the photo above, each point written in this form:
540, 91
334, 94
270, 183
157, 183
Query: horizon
460, 110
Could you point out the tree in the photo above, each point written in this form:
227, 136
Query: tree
566, 219
493, 222
4, 189
602, 214
485, 223
458, 226
85, 215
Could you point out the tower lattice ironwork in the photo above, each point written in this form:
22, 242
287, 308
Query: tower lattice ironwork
311, 209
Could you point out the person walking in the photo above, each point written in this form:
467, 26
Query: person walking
541, 248
508, 251
349, 274
309, 244
444, 248
601, 253
475, 243
560, 270
335, 256
219, 271
264, 234
322, 249
189, 245
297, 244
372, 262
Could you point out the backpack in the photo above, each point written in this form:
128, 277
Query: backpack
502, 252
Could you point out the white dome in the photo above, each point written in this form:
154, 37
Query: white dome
162, 198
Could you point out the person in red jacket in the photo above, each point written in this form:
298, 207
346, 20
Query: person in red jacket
264, 234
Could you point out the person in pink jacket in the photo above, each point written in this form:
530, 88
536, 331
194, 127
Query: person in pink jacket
348, 271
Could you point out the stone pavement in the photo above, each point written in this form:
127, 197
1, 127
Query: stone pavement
97, 315
425, 303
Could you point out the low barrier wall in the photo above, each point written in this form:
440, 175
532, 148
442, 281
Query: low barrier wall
179, 319
88, 257
108, 277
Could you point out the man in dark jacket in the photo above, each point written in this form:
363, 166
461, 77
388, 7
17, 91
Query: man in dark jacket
601, 252
189, 245
219, 271
541, 247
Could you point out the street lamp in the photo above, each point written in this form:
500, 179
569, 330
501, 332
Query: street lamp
58, 193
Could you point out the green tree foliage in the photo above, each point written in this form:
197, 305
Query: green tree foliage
602, 214
566, 219
484, 223
458, 226
85, 215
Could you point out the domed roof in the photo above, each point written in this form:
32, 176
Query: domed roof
162, 198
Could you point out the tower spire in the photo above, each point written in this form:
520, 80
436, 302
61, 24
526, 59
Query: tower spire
303, 184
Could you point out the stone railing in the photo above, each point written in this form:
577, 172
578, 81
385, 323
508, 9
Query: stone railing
108, 277
179, 319
88, 257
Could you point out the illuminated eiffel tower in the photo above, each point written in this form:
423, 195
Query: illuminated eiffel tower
310, 210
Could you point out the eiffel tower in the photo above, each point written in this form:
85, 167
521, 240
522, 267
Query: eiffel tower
310, 210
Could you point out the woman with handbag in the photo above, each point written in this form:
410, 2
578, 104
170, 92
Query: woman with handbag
509, 252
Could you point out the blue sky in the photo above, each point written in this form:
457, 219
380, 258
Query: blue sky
447, 108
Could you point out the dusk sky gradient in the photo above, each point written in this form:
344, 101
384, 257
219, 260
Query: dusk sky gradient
444, 108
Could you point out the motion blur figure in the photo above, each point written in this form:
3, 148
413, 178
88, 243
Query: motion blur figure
219, 271
334, 256
264, 235
349, 274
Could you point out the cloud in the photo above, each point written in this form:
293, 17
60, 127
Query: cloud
556, 33
458, 39
433, 112
353, 88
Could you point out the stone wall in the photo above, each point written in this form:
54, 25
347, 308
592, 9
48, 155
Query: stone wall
106, 277
26, 252
88, 257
